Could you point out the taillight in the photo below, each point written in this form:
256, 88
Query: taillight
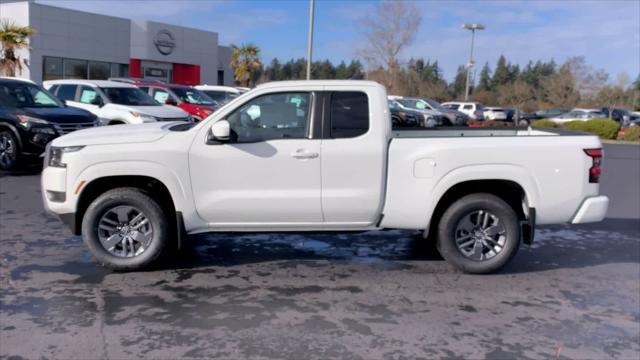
596, 165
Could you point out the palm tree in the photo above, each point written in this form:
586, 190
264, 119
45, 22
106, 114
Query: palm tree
12, 39
245, 62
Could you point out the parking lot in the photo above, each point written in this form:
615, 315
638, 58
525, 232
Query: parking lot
574, 294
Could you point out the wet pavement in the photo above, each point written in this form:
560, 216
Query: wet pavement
377, 295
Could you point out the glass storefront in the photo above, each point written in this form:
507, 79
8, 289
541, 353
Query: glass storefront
63, 68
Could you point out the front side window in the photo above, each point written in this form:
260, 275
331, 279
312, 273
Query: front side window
26, 95
468, 107
128, 96
271, 117
192, 96
349, 114
161, 96
67, 92
87, 95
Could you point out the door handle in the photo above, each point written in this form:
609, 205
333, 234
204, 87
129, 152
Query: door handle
303, 155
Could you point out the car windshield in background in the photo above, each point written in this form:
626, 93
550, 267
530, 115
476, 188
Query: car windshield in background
413, 104
18, 95
193, 96
129, 96
435, 105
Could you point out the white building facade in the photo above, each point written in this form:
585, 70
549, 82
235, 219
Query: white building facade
70, 44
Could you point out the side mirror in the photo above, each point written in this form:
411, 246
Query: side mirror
220, 131
170, 101
97, 101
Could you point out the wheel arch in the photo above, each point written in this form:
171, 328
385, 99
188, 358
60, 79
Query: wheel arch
150, 185
13, 129
509, 182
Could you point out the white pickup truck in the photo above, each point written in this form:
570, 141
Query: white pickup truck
318, 156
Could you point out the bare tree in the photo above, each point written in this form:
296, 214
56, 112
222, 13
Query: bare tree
559, 89
388, 31
516, 94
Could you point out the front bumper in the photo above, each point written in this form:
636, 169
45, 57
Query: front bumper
593, 209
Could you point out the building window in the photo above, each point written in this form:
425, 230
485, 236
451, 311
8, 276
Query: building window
119, 70
99, 70
75, 69
220, 77
52, 68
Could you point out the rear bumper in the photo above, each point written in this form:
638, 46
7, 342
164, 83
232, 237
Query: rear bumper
593, 209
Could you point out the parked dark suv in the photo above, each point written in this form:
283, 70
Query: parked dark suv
30, 117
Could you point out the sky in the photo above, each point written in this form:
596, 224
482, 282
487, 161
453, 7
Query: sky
606, 33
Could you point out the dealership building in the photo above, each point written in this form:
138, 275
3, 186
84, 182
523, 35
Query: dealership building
70, 44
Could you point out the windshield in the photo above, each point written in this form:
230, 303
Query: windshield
414, 104
25, 95
434, 104
129, 96
193, 96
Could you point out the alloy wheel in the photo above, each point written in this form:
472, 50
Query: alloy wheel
125, 231
480, 235
7, 151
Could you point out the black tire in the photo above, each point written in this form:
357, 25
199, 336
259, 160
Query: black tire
469, 205
126, 197
10, 157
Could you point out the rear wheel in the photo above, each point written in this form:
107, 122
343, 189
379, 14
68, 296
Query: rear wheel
9, 150
479, 233
125, 229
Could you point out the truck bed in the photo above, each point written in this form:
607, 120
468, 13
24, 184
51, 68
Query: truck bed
484, 132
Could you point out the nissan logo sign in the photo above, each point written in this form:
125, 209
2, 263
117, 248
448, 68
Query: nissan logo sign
164, 42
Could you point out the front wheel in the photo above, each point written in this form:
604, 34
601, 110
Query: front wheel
9, 151
479, 233
125, 229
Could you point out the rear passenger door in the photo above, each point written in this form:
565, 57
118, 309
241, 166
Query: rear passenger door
353, 158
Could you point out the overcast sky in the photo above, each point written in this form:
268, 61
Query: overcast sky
607, 33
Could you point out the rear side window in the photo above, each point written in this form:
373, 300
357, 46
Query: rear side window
349, 114
468, 107
67, 92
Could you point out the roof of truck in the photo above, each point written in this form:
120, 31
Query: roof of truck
318, 83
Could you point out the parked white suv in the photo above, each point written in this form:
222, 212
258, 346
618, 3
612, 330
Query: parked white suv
318, 156
494, 113
474, 110
114, 102
221, 94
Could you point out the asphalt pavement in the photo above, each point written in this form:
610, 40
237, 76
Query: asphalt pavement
376, 295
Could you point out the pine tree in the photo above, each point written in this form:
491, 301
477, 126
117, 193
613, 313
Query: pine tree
484, 82
459, 83
501, 75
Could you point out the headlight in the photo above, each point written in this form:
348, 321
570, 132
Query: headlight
54, 155
143, 117
28, 121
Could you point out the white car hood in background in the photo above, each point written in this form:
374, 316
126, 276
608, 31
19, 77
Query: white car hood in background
160, 111
115, 134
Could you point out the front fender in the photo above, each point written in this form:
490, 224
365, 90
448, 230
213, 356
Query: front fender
179, 189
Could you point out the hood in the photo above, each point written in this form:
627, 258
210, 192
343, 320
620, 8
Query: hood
115, 134
60, 115
159, 111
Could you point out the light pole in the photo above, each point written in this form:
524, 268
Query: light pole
310, 46
473, 28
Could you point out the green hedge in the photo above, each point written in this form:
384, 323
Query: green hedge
604, 128
631, 133
543, 123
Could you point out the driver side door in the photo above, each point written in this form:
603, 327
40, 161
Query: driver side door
268, 174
